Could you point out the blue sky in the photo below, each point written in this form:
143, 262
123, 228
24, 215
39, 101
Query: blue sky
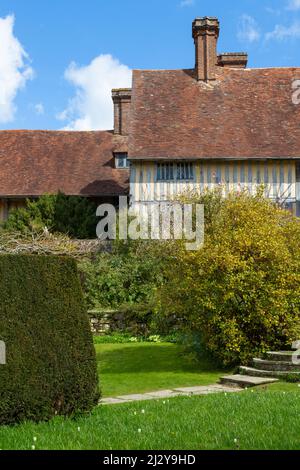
59, 58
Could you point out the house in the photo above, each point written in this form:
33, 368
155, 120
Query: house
219, 123
89, 164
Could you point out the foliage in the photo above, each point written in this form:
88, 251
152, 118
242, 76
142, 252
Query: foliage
39, 244
292, 378
71, 215
241, 292
75, 216
126, 280
123, 338
51, 367
115, 338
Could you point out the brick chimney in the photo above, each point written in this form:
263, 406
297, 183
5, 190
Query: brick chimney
122, 100
237, 60
205, 33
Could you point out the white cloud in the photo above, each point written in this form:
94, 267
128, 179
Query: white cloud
293, 5
282, 32
187, 3
14, 68
273, 11
39, 109
248, 30
91, 108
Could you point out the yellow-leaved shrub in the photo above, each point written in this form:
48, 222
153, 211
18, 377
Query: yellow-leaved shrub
240, 292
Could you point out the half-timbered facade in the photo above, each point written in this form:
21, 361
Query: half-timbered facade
151, 181
218, 124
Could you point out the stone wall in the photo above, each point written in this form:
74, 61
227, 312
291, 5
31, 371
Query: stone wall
108, 322
100, 324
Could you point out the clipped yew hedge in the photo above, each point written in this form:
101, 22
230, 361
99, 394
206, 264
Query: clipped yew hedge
50, 365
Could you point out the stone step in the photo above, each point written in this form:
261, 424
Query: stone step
266, 373
284, 356
245, 381
283, 366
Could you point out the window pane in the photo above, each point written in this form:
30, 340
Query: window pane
121, 160
185, 171
266, 173
242, 178
171, 171
192, 171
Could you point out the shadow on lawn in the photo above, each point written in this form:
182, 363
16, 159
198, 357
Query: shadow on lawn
124, 358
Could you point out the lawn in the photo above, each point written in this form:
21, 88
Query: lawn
264, 418
146, 367
247, 420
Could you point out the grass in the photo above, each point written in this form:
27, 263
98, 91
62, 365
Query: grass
282, 387
247, 420
145, 367
265, 418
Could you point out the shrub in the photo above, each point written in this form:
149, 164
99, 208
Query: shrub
292, 378
71, 215
41, 244
121, 338
75, 216
240, 293
126, 280
51, 366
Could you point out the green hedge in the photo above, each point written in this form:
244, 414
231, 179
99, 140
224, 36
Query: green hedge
51, 365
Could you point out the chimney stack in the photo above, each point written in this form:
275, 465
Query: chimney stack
206, 33
122, 100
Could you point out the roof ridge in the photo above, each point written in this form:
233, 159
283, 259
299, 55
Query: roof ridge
221, 69
54, 131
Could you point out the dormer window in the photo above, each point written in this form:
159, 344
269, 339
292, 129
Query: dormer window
122, 160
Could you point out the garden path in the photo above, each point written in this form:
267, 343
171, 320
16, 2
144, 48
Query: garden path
166, 394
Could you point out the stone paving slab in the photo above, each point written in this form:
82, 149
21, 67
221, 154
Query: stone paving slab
161, 394
135, 397
224, 388
247, 380
205, 390
111, 401
192, 390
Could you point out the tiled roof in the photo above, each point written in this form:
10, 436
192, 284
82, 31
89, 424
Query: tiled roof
77, 163
244, 113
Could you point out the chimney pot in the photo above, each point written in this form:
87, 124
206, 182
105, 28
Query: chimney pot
233, 60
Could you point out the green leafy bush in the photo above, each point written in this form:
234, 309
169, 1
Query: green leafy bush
71, 215
121, 338
51, 365
240, 293
125, 280
292, 378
